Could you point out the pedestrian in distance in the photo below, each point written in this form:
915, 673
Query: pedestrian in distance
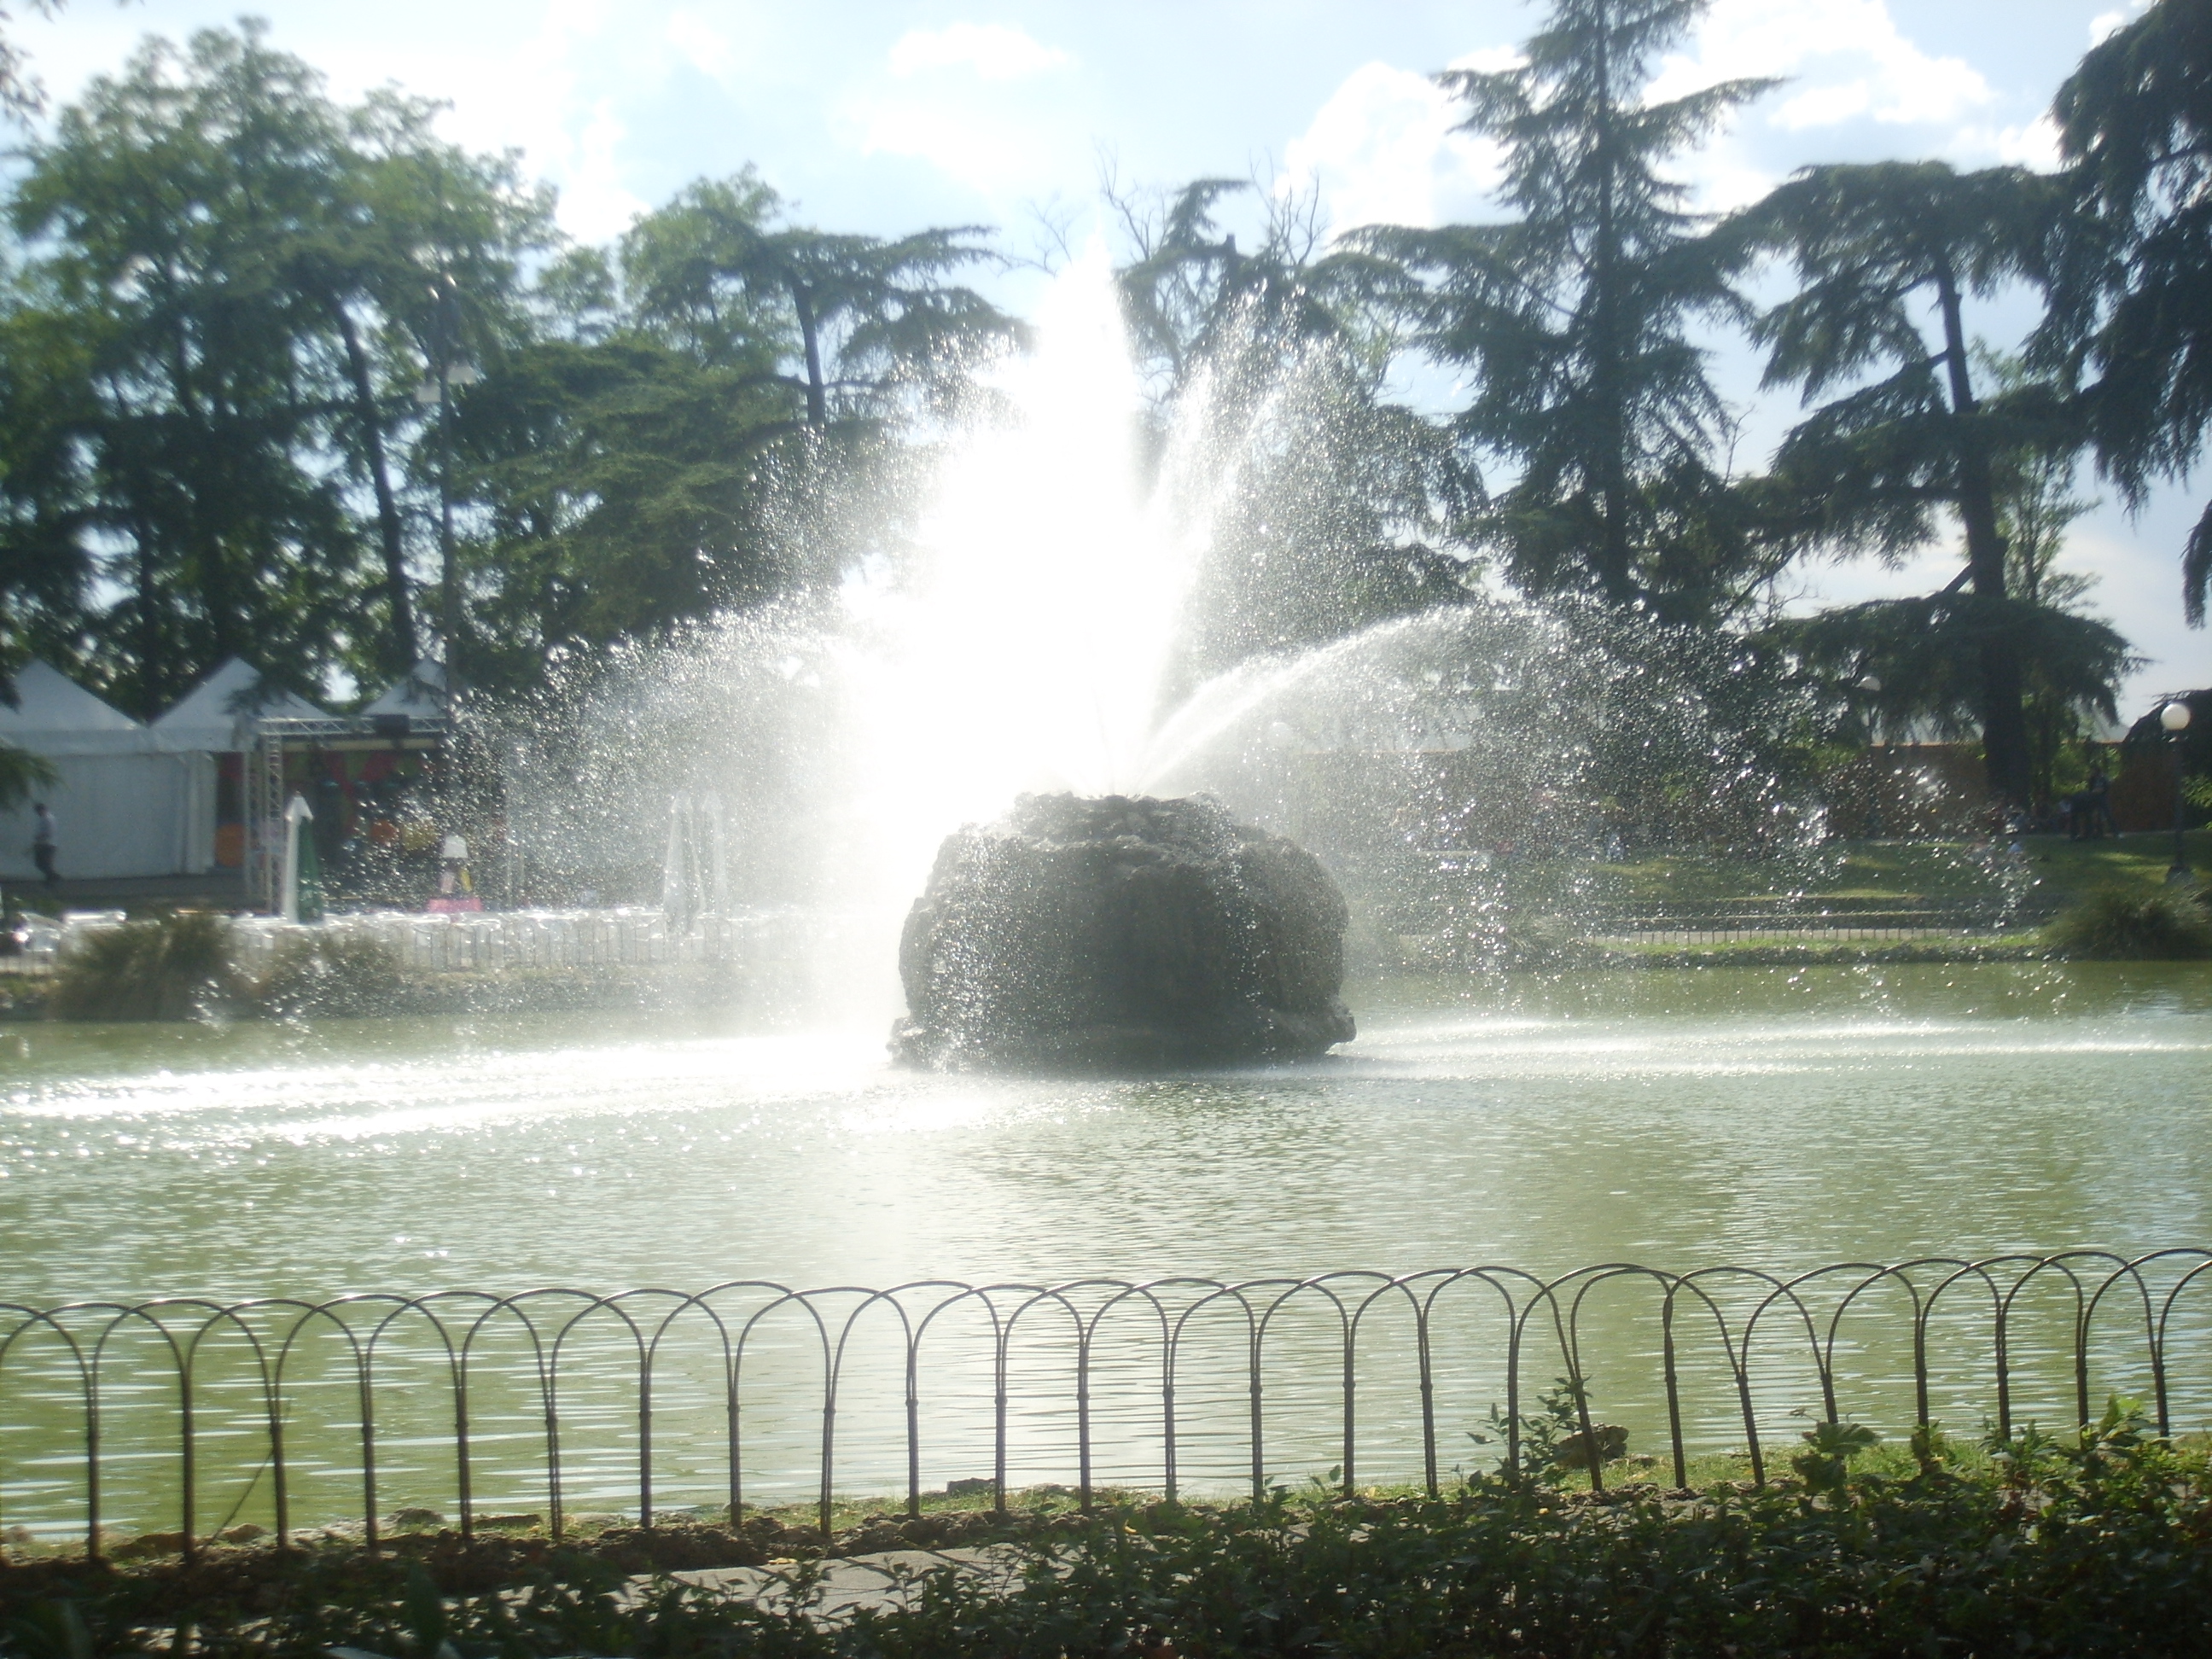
2099, 796
42, 843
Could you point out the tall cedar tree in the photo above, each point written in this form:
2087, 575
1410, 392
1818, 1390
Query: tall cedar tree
2134, 304
1877, 249
1576, 318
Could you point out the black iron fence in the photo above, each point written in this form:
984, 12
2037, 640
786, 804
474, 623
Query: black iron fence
1382, 1372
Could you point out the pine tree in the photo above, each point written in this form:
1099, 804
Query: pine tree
1575, 318
1882, 252
2134, 301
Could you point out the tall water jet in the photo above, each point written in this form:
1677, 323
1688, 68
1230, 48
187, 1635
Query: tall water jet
1020, 642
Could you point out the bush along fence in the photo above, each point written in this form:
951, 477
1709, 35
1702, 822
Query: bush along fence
280, 1397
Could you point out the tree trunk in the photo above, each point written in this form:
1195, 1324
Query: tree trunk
151, 687
1614, 554
401, 651
2005, 754
209, 469
817, 394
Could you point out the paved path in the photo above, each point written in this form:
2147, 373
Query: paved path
882, 1581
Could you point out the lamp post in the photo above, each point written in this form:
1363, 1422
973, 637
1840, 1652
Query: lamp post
2174, 718
1868, 686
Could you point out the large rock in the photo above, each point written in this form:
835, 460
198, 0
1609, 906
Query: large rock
1120, 931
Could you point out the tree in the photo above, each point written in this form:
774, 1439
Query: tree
625, 491
2033, 481
1193, 298
47, 510
2133, 302
704, 421
22, 97
418, 260
151, 213
1874, 247
1328, 505
232, 271
1575, 319
869, 317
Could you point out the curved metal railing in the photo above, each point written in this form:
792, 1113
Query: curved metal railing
1748, 1339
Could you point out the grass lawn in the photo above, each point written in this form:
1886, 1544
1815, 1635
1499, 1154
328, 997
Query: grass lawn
1905, 874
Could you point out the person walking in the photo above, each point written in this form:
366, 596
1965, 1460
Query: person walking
42, 844
2100, 794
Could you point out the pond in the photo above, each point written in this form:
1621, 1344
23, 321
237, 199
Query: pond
1781, 1118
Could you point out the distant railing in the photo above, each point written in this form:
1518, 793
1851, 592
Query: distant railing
1390, 1365
479, 942
1785, 933
1837, 922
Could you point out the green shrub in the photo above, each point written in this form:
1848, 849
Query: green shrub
2129, 925
330, 974
171, 966
2094, 1544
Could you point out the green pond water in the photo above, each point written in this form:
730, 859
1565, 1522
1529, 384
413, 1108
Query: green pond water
1773, 1117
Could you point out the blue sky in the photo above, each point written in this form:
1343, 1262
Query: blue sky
883, 115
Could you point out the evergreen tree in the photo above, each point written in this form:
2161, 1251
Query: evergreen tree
1575, 319
705, 423
868, 318
2134, 301
1877, 249
1328, 505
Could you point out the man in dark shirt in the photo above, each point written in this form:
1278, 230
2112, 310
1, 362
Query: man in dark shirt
42, 844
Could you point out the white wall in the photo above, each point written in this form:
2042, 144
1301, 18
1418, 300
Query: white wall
119, 815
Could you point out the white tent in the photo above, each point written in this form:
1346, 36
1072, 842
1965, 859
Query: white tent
214, 717
420, 692
122, 808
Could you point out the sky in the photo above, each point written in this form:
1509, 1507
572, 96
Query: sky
883, 116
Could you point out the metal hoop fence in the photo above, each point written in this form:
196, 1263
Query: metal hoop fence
1191, 1363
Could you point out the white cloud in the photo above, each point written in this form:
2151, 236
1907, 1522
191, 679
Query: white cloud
700, 44
595, 203
1846, 59
1842, 63
1489, 60
993, 51
2105, 24
2030, 144
1000, 139
1383, 150
967, 143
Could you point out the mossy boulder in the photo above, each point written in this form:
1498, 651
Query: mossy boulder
1120, 933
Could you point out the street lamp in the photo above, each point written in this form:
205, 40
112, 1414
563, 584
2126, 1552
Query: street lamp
2174, 718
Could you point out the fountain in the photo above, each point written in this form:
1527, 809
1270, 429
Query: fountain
1035, 632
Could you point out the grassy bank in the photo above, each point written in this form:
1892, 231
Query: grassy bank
2101, 1545
1905, 874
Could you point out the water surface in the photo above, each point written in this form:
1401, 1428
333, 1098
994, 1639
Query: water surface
1784, 1117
